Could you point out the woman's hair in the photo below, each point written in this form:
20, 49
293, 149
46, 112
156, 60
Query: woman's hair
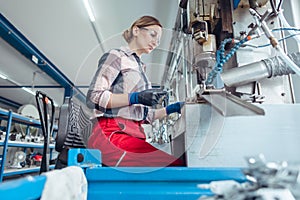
141, 22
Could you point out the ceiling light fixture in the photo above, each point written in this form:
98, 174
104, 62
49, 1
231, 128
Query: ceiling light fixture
28, 90
3, 76
89, 10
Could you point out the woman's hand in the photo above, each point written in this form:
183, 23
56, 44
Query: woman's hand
148, 97
175, 107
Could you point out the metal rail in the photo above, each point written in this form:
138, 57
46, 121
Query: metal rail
17, 40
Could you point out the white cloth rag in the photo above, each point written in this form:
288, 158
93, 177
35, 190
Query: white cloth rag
68, 183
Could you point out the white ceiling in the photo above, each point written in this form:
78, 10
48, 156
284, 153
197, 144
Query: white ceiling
61, 30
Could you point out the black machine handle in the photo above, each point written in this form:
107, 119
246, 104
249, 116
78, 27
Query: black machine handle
44, 103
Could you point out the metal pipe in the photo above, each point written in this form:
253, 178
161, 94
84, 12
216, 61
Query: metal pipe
266, 68
245, 74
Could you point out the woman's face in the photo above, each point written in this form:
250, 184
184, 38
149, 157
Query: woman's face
148, 38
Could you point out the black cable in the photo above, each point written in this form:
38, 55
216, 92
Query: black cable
183, 4
273, 6
279, 5
203, 9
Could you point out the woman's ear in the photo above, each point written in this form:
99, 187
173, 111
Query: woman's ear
135, 30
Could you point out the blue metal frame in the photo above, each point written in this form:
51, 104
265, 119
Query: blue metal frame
29, 86
10, 102
25, 144
39, 86
5, 145
25, 188
147, 182
130, 182
19, 118
155, 183
10, 117
15, 38
24, 171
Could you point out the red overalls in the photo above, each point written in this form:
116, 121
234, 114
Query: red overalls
122, 143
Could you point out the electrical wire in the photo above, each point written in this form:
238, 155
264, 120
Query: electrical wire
280, 40
279, 5
273, 5
286, 29
274, 10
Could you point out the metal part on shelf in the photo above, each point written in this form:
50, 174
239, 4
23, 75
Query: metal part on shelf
19, 157
30, 111
10, 117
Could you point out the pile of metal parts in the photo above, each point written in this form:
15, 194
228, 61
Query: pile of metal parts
162, 129
267, 181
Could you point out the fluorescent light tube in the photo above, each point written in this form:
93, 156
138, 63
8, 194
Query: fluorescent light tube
29, 91
3, 76
89, 10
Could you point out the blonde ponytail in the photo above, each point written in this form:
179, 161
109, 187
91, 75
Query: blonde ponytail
127, 35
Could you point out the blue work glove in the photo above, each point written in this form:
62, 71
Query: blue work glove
175, 107
148, 97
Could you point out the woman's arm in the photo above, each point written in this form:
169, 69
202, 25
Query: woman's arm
148, 97
117, 100
172, 108
160, 113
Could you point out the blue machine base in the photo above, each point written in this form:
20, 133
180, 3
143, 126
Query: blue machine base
129, 182
155, 183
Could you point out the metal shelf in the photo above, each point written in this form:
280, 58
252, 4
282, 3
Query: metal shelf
25, 170
13, 117
17, 40
26, 144
19, 118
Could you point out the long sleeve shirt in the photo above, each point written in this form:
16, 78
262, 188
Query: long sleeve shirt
119, 71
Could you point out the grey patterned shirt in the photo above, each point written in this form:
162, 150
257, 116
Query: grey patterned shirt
119, 71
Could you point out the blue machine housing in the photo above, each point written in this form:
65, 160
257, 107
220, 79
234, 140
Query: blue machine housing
128, 182
155, 183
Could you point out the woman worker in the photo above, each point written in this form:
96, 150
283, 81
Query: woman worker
121, 95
